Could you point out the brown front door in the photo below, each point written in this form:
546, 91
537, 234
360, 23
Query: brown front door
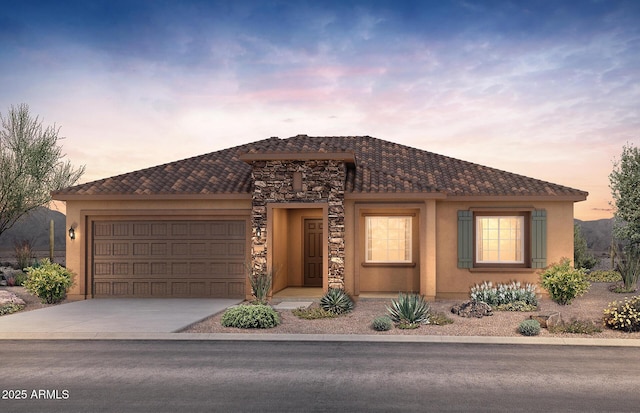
313, 252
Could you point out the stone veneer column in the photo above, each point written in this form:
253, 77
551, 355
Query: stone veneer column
323, 182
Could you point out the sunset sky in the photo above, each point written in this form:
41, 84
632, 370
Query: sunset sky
547, 89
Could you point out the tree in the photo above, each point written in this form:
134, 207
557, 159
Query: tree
582, 258
31, 165
624, 182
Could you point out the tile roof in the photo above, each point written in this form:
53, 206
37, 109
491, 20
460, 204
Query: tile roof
381, 167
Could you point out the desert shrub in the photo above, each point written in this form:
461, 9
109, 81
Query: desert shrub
503, 294
250, 316
23, 253
16, 279
604, 276
48, 281
563, 282
628, 265
409, 310
439, 319
313, 313
516, 306
10, 308
260, 285
529, 328
624, 316
577, 327
382, 323
336, 301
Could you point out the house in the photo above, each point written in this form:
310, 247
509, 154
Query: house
352, 212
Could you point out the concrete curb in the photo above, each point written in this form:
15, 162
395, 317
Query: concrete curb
345, 338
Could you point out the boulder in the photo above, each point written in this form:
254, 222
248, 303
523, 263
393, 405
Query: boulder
9, 298
548, 320
477, 309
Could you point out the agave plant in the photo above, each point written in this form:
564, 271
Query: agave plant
409, 310
336, 301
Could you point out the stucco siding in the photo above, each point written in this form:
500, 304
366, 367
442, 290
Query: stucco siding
454, 282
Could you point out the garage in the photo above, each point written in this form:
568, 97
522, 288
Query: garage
169, 258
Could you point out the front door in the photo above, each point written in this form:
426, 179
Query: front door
313, 252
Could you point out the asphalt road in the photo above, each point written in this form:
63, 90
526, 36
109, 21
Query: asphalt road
218, 376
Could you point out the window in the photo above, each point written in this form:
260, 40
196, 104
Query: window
494, 239
388, 239
500, 239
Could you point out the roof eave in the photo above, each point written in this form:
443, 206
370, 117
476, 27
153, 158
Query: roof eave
158, 197
410, 196
553, 198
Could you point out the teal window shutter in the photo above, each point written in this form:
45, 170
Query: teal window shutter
465, 239
539, 239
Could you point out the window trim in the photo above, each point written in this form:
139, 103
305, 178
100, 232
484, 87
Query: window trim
408, 241
526, 241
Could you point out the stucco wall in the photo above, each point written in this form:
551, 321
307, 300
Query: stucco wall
453, 282
386, 277
79, 214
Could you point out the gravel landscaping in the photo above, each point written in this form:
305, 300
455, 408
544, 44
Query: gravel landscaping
588, 307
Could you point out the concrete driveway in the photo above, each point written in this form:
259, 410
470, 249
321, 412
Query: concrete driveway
121, 315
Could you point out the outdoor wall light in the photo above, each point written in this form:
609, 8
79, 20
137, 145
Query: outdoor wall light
72, 233
258, 232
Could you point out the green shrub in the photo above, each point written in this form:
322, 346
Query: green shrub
439, 319
336, 301
409, 310
516, 306
10, 308
604, 276
382, 323
16, 279
313, 313
48, 281
529, 328
504, 293
250, 316
260, 285
577, 327
624, 316
563, 282
19, 278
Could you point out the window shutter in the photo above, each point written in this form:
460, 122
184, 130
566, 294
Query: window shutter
539, 239
465, 239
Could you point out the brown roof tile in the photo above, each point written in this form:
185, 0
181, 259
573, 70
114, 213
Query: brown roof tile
381, 167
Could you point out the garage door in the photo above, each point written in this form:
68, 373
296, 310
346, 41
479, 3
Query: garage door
169, 258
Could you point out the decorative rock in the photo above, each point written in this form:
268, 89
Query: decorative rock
470, 309
548, 320
7, 297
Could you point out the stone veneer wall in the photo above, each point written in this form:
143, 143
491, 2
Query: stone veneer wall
323, 181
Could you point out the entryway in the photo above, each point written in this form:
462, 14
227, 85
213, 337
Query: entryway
297, 246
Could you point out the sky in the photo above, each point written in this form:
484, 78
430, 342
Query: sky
546, 89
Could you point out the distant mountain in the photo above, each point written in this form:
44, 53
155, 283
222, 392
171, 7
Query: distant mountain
597, 233
35, 229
